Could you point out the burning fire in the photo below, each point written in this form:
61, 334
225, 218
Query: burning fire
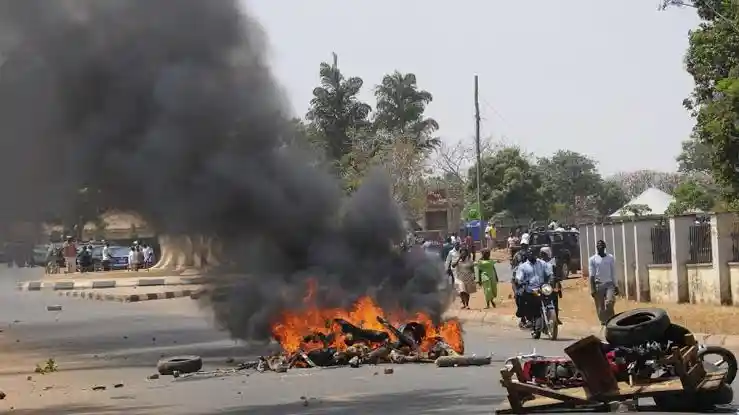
314, 328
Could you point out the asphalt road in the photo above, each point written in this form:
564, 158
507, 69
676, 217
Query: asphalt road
103, 343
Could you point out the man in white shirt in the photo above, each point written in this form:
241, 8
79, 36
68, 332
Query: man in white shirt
105, 262
148, 252
603, 288
451, 258
525, 239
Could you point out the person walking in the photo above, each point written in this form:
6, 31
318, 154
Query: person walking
464, 277
487, 277
451, 258
105, 260
469, 243
148, 252
602, 278
69, 249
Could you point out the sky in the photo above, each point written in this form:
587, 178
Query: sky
605, 79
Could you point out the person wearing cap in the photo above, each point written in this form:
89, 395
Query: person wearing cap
602, 278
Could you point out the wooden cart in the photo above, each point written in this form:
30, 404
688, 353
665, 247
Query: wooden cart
601, 388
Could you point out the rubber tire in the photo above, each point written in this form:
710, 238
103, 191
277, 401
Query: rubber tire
724, 395
181, 364
729, 357
675, 333
553, 330
637, 326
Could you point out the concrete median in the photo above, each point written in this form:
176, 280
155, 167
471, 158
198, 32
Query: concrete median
88, 284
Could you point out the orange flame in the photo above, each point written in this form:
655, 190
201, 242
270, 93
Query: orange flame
293, 327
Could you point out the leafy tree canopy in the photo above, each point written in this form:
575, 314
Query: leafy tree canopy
568, 174
401, 106
691, 195
610, 197
712, 60
336, 111
509, 183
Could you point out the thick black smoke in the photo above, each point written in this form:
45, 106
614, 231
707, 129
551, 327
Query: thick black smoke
168, 108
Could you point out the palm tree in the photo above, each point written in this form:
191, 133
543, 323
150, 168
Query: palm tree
400, 108
335, 110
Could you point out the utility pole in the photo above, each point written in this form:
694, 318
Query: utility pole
336, 59
477, 151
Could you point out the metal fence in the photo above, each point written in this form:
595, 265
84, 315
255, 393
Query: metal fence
699, 237
661, 247
735, 241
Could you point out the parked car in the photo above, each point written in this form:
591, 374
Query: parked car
40, 255
118, 254
565, 246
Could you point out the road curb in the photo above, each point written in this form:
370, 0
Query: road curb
108, 283
127, 298
730, 341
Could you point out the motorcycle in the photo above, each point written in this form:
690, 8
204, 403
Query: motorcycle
547, 320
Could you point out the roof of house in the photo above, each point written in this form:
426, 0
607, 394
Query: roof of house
657, 200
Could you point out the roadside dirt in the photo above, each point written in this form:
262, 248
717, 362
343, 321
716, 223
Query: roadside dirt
576, 307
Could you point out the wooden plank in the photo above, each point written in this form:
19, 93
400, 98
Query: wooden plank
587, 356
548, 393
514, 398
712, 380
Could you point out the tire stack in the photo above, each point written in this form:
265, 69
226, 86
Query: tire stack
643, 325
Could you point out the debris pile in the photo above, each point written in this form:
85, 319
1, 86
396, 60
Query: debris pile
315, 337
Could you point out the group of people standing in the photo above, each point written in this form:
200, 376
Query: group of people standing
72, 258
140, 256
466, 273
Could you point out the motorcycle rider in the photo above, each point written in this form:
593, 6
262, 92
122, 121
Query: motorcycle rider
545, 253
530, 276
518, 259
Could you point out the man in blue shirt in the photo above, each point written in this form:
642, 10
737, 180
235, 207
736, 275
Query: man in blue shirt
555, 280
530, 276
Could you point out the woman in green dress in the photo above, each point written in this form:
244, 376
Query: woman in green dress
487, 277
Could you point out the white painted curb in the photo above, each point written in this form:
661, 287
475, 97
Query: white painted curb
98, 284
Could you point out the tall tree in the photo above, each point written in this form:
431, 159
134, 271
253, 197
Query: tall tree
401, 106
567, 175
609, 198
402, 161
510, 184
451, 162
694, 156
691, 195
336, 111
712, 60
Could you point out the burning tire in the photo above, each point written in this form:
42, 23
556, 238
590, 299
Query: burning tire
637, 326
181, 364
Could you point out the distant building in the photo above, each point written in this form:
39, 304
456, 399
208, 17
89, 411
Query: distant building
656, 200
443, 213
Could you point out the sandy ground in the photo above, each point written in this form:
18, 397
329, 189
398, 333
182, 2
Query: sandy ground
576, 307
